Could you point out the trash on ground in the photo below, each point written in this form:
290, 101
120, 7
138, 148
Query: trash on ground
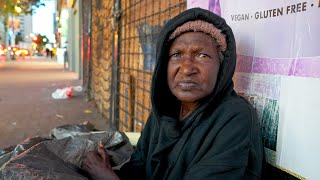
59, 116
66, 92
92, 104
87, 111
59, 155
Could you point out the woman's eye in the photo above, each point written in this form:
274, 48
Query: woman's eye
201, 55
175, 55
202, 58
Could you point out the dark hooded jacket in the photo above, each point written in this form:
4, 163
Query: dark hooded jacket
219, 140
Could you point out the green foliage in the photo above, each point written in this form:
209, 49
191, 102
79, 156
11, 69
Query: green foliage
41, 41
16, 7
8, 7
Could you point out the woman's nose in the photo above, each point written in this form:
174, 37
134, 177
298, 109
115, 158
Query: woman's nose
187, 66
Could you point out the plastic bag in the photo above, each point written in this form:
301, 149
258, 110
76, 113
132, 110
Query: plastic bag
61, 157
66, 93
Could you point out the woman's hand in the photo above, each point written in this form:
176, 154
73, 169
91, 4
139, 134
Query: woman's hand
97, 165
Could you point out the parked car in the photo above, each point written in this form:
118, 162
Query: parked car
23, 52
39, 53
3, 50
14, 50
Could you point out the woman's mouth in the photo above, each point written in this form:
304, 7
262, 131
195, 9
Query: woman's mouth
186, 85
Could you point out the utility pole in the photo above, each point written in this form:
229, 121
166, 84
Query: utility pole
13, 38
6, 27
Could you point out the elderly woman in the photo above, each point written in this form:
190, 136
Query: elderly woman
199, 127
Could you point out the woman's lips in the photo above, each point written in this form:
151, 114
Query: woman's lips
186, 85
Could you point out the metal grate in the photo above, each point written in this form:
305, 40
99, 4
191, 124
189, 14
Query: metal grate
141, 21
85, 40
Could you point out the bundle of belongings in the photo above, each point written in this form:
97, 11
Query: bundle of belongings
59, 155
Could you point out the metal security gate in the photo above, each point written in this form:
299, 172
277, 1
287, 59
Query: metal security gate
85, 41
140, 23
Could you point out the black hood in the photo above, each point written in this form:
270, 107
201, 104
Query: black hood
163, 102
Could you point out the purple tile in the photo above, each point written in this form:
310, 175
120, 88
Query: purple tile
302, 67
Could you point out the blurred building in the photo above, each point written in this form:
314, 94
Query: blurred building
17, 26
68, 22
20, 27
25, 26
2, 32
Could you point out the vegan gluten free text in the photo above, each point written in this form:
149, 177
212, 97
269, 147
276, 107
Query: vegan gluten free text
276, 12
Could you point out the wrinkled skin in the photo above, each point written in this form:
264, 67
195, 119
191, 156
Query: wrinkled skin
98, 166
192, 69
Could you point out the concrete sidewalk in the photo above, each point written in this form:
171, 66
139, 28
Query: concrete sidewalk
26, 106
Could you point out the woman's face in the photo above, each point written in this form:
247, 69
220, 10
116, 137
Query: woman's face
193, 66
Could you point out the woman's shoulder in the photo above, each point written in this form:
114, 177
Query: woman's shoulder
234, 109
237, 104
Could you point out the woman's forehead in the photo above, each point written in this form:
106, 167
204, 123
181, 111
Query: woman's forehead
194, 38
